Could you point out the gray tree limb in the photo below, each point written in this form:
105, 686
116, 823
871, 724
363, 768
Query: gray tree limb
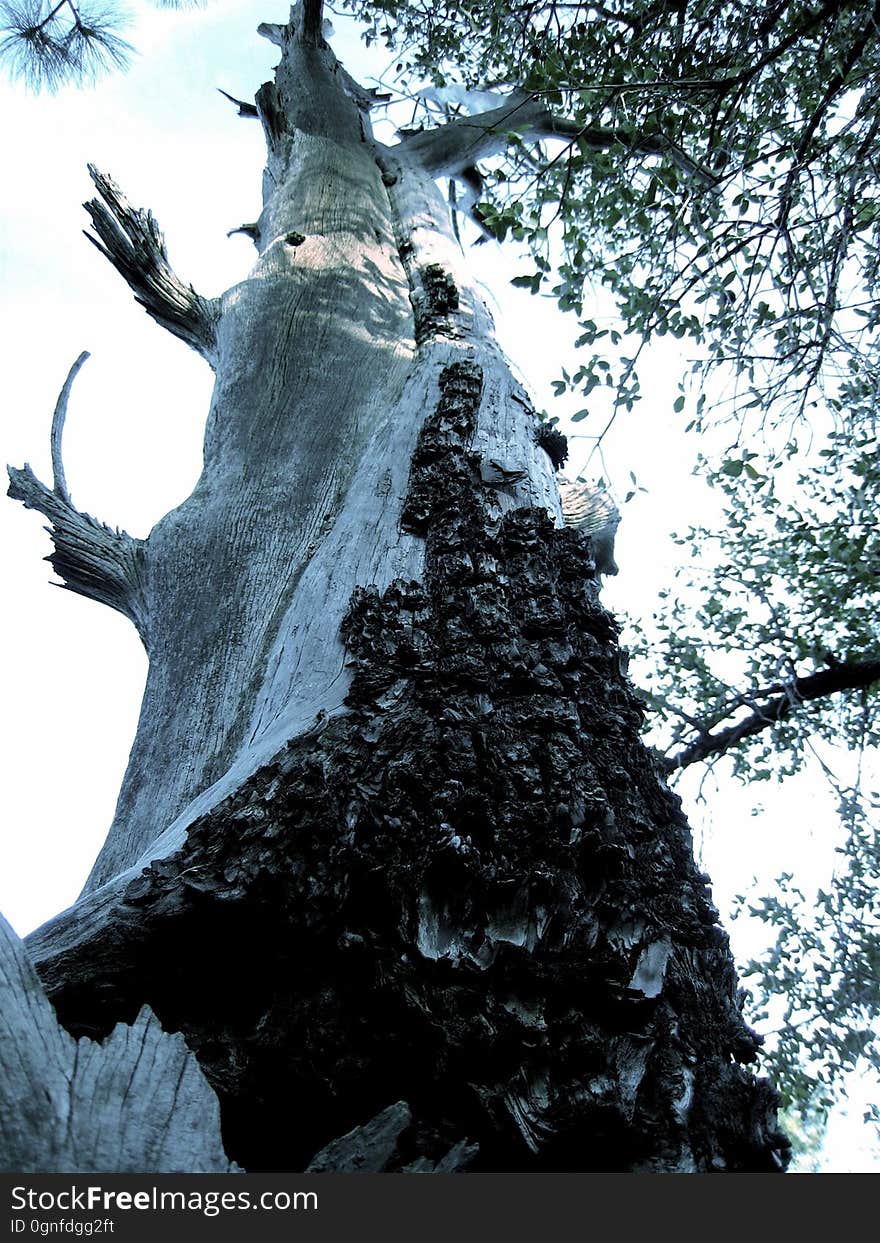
89, 557
58, 418
447, 149
130, 238
244, 109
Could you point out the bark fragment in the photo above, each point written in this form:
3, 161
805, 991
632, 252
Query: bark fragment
434, 301
554, 444
368, 1149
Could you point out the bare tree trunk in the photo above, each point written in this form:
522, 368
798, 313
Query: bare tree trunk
388, 847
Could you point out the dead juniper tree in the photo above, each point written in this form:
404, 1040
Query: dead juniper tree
389, 852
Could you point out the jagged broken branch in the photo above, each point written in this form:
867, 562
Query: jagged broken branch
130, 238
137, 1101
845, 676
89, 557
244, 109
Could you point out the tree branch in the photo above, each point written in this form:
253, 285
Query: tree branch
58, 480
130, 238
848, 676
244, 109
832, 89
448, 149
89, 557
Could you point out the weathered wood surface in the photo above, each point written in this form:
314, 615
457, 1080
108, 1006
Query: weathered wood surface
388, 812
133, 1103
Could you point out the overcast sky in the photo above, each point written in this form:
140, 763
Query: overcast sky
73, 670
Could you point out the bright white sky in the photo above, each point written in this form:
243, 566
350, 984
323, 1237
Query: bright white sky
73, 670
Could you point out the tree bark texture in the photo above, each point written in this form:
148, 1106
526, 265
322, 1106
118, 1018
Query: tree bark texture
389, 851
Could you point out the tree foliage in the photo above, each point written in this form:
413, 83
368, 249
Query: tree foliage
776, 623
818, 988
717, 179
46, 45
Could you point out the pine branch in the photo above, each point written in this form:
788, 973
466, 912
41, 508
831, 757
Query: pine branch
847, 676
130, 238
48, 45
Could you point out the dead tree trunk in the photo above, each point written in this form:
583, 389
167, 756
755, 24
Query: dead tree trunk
388, 847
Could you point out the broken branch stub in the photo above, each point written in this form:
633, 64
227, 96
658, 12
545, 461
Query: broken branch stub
131, 239
137, 1102
89, 557
244, 108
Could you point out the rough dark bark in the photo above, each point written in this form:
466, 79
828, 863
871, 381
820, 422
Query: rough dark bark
419, 899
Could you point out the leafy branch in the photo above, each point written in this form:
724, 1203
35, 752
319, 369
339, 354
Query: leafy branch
849, 676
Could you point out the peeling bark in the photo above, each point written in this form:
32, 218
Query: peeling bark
471, 891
